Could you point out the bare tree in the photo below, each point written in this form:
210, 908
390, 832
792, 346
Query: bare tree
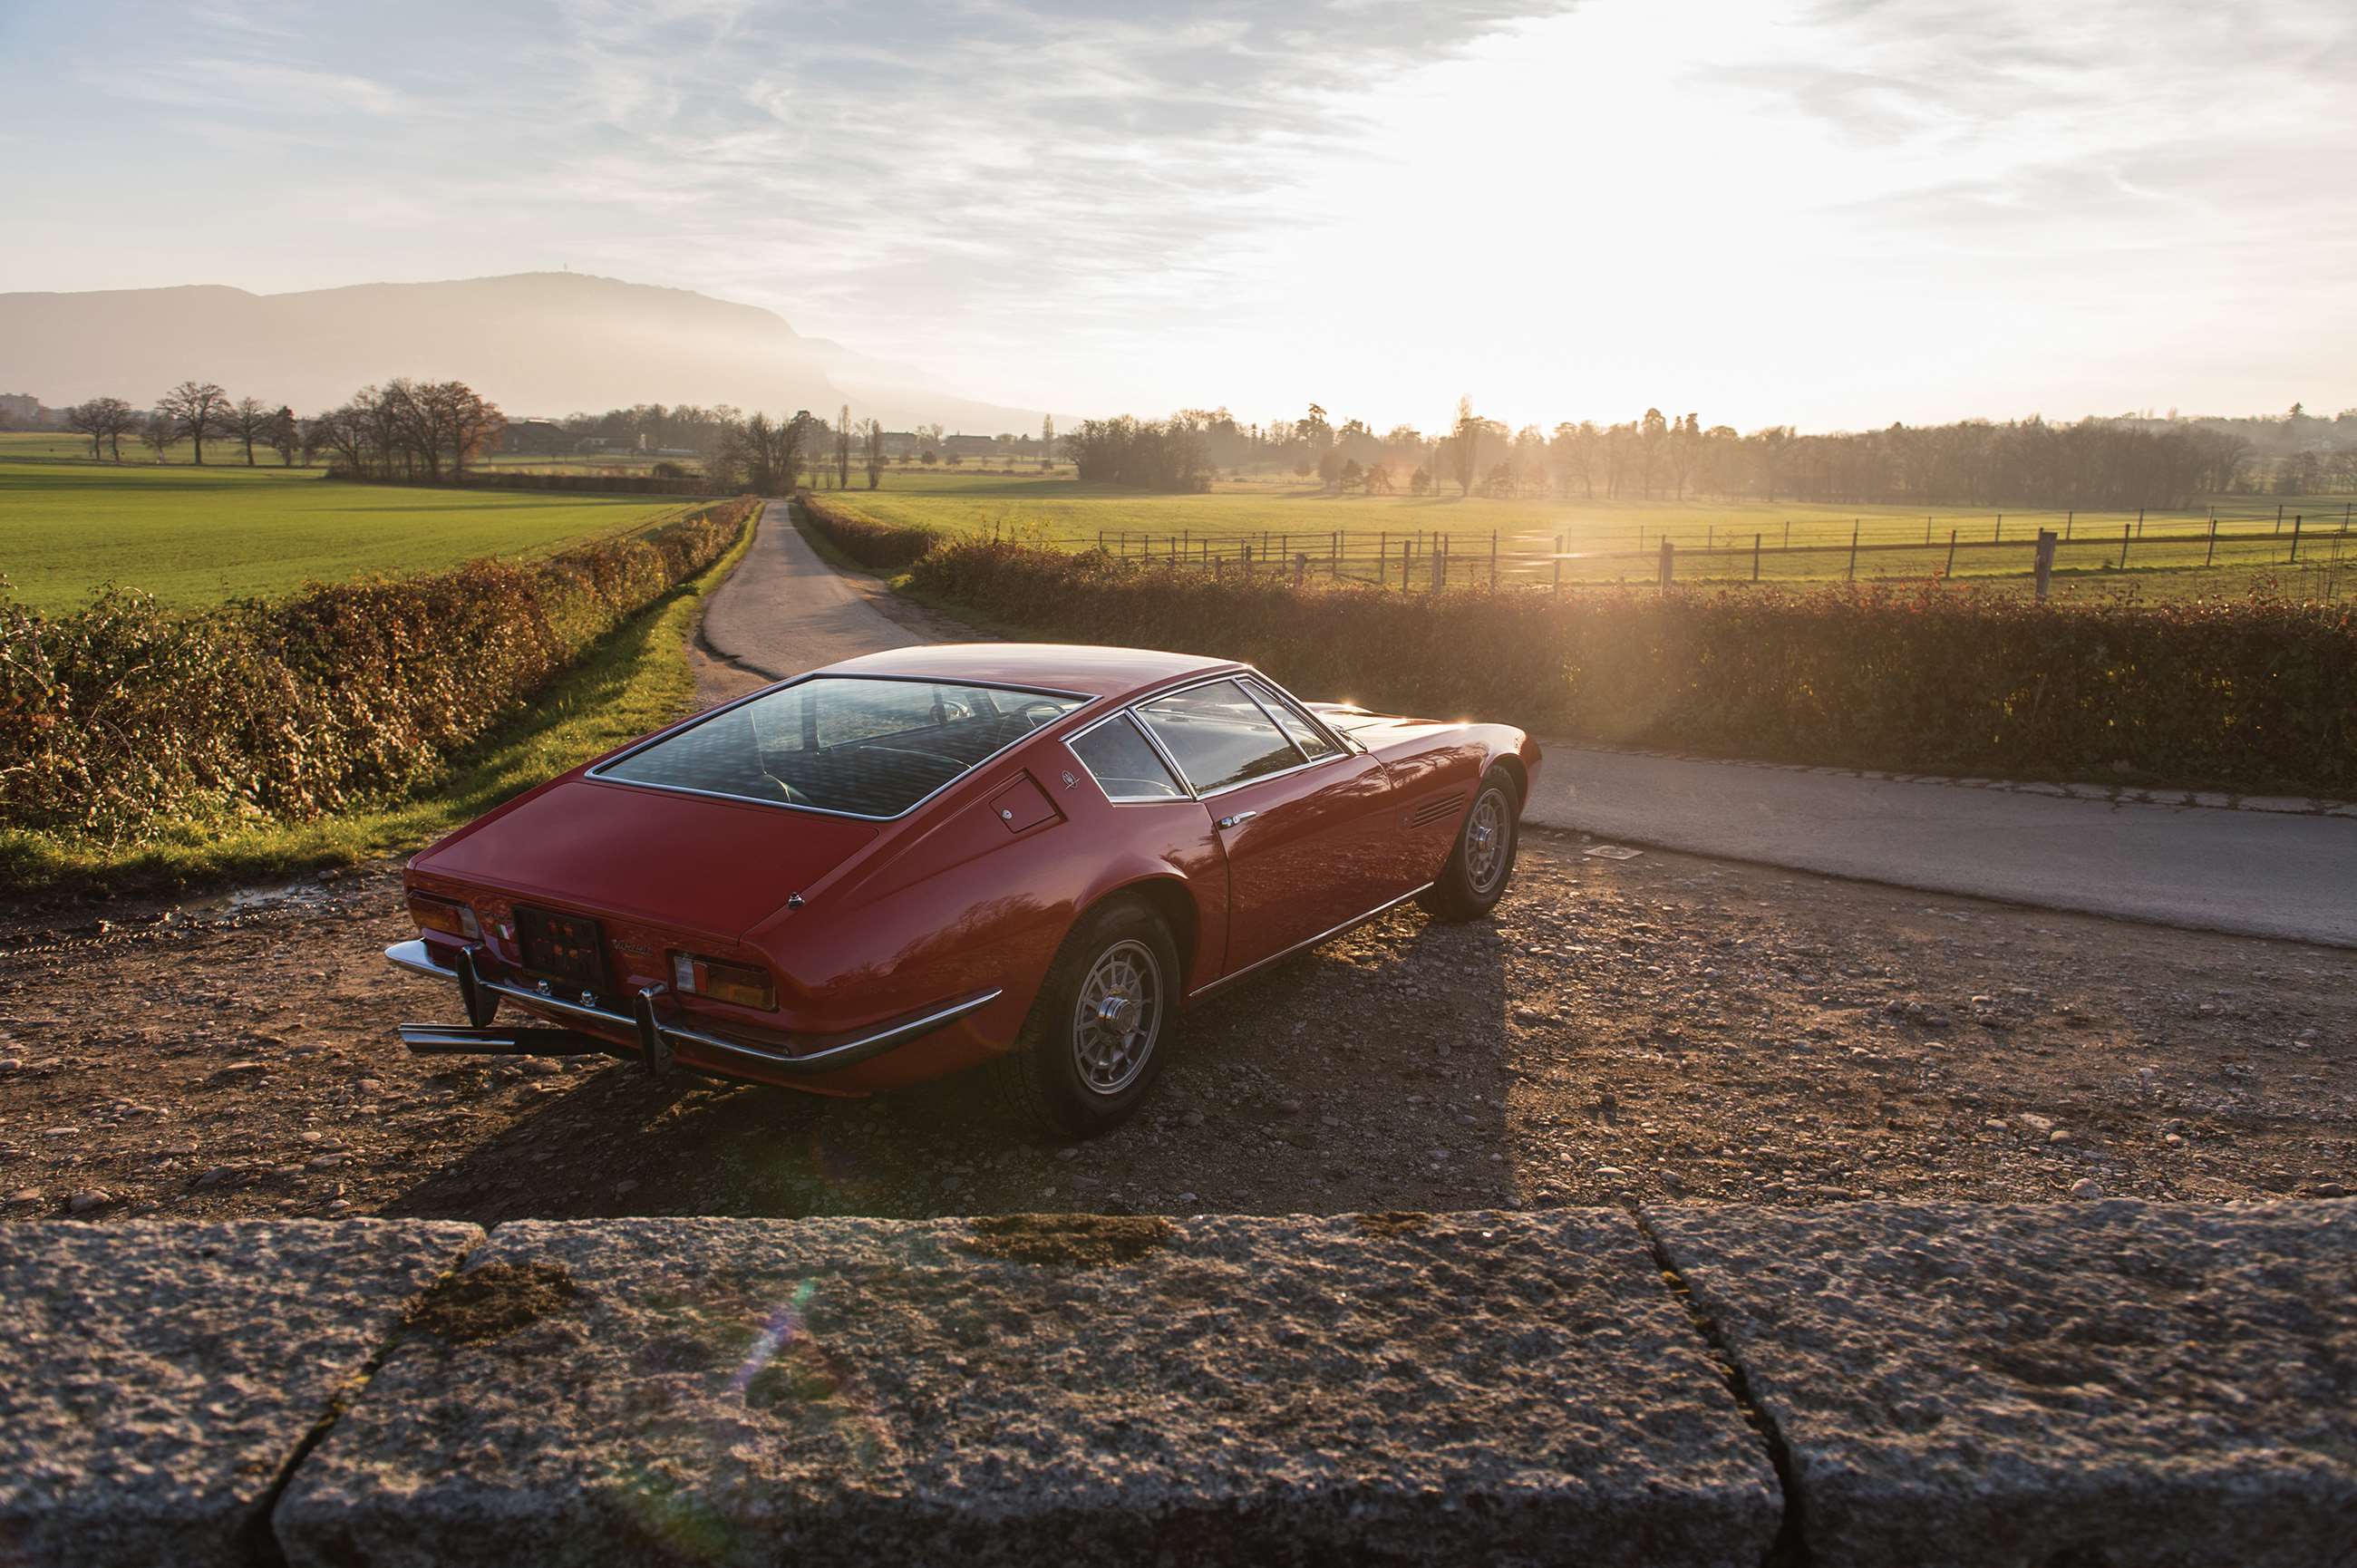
249, 421
1047, 439
196, 409
875, 453
843, 448
106, 421
157, 433
463, 421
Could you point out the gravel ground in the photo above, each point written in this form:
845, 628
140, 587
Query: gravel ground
1663, 1028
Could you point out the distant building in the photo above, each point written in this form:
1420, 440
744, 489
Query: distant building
536, 438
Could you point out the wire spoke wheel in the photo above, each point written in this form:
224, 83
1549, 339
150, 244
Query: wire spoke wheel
1485, 841
1117, 1017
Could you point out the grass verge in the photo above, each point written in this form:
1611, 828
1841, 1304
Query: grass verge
634, 680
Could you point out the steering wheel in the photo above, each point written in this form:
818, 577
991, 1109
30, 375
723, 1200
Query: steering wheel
1049, 712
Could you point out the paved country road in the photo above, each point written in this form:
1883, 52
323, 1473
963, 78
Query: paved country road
2253, 873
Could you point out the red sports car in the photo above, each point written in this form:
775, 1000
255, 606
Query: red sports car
913, 861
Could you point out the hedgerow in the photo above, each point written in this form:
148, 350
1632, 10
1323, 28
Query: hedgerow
121, 717
885, 545
2252, 693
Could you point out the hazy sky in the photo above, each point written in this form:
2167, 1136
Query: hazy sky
1838, 214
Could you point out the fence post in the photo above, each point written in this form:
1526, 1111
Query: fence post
2045, 562
2071, 517
1668, 564
2211, 554
2000, 527
1334, 555
1382, 558
1755, 557
1950, 570
1558, 566
2126, 529
1927, 530
1493, 560
1439, 561
1247, 560
1853, 550
1300, 567
1788, 533
2295, 539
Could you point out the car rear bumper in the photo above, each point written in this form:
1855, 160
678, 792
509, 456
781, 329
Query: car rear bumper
587, 1026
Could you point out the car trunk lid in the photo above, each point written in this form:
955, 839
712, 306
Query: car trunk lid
685, 862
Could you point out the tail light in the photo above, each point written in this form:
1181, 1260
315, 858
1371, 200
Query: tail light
738, 982
444, 915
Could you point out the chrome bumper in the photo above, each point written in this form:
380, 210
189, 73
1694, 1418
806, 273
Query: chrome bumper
657, 1040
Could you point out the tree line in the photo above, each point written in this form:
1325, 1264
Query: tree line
404, 429
2090, 463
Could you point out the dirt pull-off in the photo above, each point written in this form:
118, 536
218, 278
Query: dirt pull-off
1661, 1027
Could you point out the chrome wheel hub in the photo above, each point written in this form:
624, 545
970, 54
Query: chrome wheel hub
1485, 841
1117, 1017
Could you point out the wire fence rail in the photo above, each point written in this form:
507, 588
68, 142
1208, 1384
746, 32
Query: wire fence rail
2034, 545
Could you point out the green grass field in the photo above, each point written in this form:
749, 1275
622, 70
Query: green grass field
197, 536
1605, 541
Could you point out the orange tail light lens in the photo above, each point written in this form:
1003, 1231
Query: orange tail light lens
444, 915
737, 983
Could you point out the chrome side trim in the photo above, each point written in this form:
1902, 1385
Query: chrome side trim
413, 956
597, 770
1382, 909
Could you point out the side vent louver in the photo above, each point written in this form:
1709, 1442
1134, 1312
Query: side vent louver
1431, 808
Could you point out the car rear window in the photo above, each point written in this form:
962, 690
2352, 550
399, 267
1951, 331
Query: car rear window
861, 745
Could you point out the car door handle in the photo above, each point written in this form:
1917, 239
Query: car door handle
1239, 817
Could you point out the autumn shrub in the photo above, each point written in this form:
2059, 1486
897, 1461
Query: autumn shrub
885, 545
2251, 693
122, 717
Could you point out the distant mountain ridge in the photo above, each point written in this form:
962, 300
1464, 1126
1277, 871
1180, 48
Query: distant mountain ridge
542, 344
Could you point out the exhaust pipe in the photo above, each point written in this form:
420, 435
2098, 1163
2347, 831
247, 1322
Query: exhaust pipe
462, 1040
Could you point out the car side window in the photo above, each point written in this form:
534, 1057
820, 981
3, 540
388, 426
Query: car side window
1298, 728
1218, 735
1125, 765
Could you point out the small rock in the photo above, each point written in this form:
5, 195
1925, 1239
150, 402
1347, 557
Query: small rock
1068, 1153
626, 1187
544, 1067
1187, 1197
2058, 1136
11, 1064
1192, 1119
2086, 1189
323, 1162
87, 1199
25, 1195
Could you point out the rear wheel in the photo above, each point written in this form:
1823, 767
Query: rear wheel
1098, 1034
1483, 859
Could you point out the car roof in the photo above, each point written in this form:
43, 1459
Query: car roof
1094, 671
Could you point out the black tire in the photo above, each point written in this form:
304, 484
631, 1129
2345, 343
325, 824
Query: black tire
1479, 866
1075, 1077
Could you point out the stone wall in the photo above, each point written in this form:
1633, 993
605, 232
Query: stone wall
2112, 1384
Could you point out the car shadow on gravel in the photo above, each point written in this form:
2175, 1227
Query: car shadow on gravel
1369, 1074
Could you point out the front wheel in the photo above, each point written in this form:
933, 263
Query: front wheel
1098, 1034
1475, 878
